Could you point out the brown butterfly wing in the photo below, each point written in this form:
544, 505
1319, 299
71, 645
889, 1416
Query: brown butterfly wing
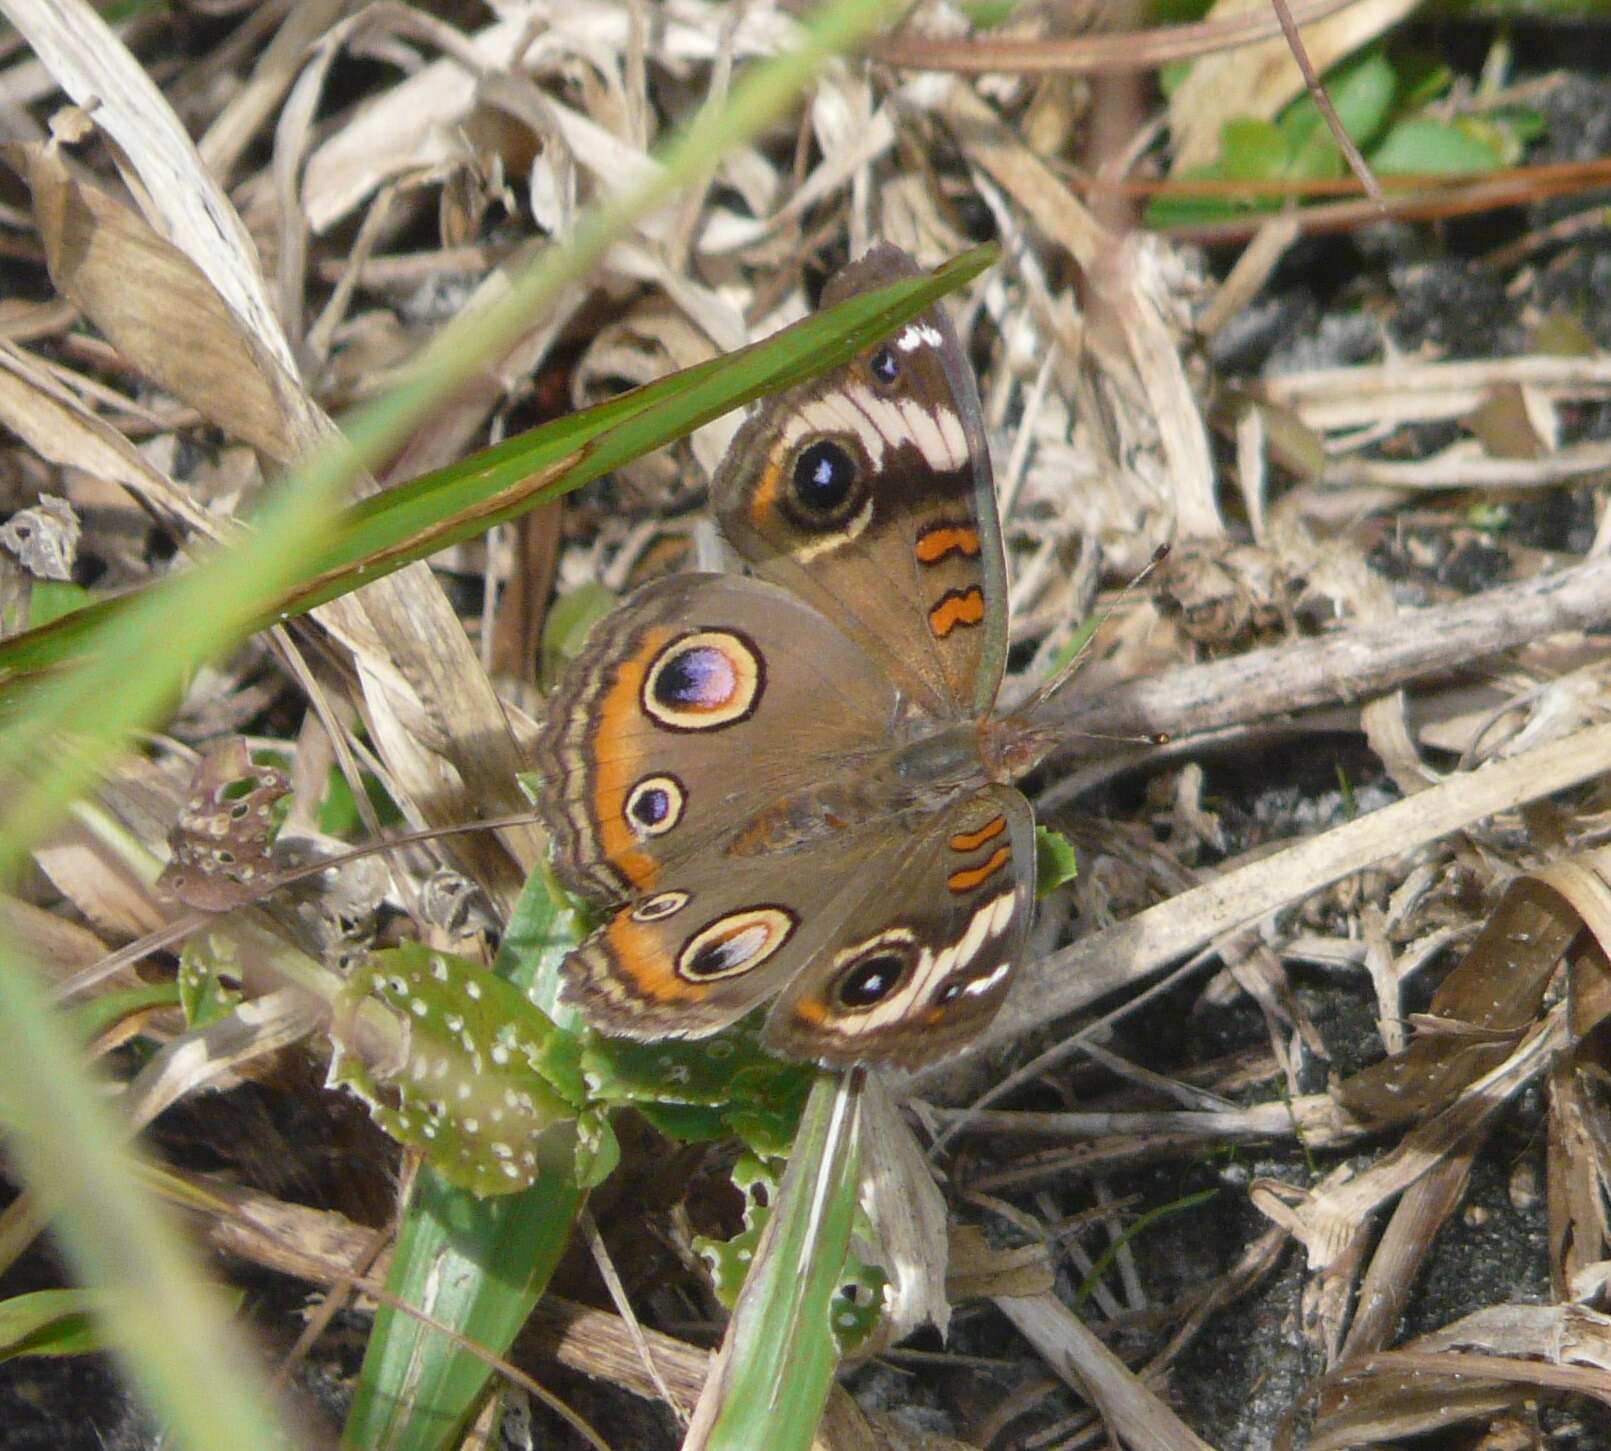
922, 960
720, 938
705, 707
700, 762
868, 493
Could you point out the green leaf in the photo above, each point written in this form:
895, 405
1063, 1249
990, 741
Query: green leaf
1252, 150
1361, 92
475, 1265
1433, 147
988, 14
209, 977
858, 1304
565, 628
728, 1078
1055, 861
49, 1322
470, 1092
767, 1104
54, 598
97, 1015
687, 1123
700, 1071
729, 1260
1421, 80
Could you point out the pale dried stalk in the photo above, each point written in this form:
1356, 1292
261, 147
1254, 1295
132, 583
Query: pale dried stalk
1315, 1118
1351, 665
1134, 949
1131, 1411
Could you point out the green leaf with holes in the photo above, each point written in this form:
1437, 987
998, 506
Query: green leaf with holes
466, 1086
856, 1305
209, 977
699, 1090
729, 1260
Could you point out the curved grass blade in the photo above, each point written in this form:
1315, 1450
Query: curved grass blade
419, 518
772, 1376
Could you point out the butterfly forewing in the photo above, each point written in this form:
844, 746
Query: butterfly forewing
707, 707
868, 492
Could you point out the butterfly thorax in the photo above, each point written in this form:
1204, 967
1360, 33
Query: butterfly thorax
965, 755
942, 763
911, 780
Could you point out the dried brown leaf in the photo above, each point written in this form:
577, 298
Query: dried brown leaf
1578, 1178
58, 427
1498, 987
1510, 423
154, 304
221, 856
1406, 1392
978, 1270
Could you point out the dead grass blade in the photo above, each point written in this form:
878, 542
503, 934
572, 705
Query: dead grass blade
1131, 1412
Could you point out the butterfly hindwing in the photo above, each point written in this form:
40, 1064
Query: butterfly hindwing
922, 961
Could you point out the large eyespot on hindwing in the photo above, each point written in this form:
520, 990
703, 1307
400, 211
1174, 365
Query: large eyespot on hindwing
735, 944
704, 680
867, 974
654, 805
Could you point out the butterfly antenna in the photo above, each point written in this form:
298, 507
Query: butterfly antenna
1061, 675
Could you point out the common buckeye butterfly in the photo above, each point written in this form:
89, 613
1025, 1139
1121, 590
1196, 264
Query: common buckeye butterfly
790, 786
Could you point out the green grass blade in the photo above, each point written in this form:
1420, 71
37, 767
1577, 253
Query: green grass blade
419, 518
777, 1360
475, 1265
199, 1373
